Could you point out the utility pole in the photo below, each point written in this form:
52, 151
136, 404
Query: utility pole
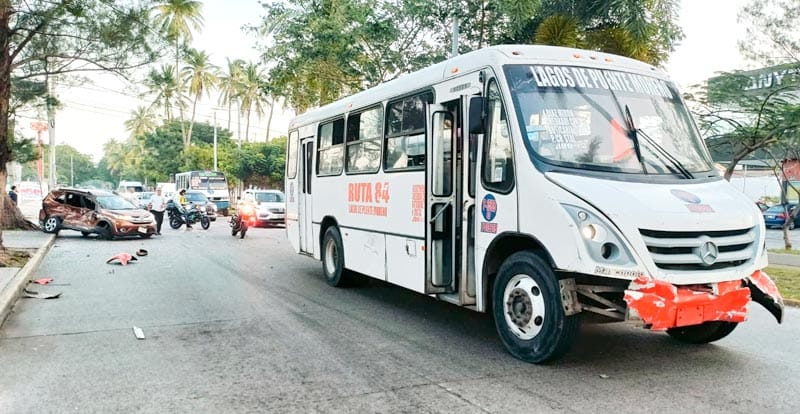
454, 51
51, 131
215, 140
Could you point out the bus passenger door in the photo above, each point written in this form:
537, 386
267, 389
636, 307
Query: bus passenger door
440, 258
304, 199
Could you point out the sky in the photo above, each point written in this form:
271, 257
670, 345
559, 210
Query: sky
93, 112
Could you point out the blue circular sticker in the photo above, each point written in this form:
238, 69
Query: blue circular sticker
686, 196
489, 207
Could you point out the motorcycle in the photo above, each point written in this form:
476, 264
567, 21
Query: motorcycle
194, 215
242, 219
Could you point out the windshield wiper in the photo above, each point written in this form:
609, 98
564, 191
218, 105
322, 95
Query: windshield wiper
635, 132
635, 138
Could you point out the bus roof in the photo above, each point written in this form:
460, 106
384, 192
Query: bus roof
462, 64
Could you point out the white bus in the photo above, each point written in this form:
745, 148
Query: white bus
536, 183
212, 183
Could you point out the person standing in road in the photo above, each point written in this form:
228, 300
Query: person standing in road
157, 206
13, 194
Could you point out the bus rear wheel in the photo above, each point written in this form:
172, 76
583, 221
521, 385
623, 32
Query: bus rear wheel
333, 259
526, 304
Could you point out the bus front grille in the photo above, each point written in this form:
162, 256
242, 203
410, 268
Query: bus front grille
700, 250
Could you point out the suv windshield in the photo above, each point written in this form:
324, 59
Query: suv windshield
269, 197
113, 202
576, 117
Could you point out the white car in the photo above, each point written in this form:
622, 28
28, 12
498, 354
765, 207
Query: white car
270, 206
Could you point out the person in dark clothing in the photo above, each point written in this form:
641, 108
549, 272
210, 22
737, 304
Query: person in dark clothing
13, 194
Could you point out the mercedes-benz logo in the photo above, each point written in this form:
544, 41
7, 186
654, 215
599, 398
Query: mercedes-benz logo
709, 252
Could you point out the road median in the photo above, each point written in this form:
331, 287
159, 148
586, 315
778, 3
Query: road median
9, 294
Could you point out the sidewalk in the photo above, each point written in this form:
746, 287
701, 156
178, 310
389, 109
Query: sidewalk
14, 279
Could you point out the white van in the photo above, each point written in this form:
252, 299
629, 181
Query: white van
270, 205
129, 190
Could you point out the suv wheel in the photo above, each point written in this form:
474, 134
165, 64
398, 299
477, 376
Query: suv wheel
51, 224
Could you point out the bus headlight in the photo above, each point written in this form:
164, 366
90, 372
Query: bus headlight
601, 241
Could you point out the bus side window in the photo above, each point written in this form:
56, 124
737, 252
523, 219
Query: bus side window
291, 155
330, 148
405, 135
364, 134
498, 165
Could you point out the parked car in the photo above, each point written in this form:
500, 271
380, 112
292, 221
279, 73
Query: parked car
775, 216
270, 206
94, 211
202, 203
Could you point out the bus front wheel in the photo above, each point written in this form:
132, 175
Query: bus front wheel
333, 259
526, 304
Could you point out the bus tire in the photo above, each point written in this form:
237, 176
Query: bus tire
703, 333
526, 305
333, 259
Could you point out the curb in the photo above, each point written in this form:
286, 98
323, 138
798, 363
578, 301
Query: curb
9, 296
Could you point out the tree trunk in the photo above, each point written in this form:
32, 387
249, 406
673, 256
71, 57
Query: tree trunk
178, 81
239, 122
229, 115
787, 239
247, 128
11, 217
269, 120
5, 85
191, 124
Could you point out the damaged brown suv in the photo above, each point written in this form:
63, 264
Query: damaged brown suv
94, 211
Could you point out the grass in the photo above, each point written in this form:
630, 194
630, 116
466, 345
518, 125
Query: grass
787, 279
13, 258
784, 251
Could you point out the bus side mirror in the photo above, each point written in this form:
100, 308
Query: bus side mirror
476, 115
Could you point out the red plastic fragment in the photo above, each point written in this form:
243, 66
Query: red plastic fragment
765, 284
663, 305
765, 292
43, 281
122, 258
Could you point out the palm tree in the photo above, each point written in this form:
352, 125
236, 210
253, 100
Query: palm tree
252, 97
177, 19
142, 122
230, 84
114, 153
163, 84
201, 76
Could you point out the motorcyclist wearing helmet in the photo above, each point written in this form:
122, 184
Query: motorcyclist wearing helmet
181, 202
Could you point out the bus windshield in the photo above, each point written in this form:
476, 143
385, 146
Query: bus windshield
213, 183
605, 120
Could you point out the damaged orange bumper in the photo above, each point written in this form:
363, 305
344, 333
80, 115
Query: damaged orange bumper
662, 305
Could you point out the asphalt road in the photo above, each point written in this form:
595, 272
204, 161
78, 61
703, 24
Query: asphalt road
775, 238
247, 326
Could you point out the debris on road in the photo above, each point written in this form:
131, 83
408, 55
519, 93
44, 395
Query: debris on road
122, 258
603, 376
138, 332
38, 295
43, 281
141, 252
